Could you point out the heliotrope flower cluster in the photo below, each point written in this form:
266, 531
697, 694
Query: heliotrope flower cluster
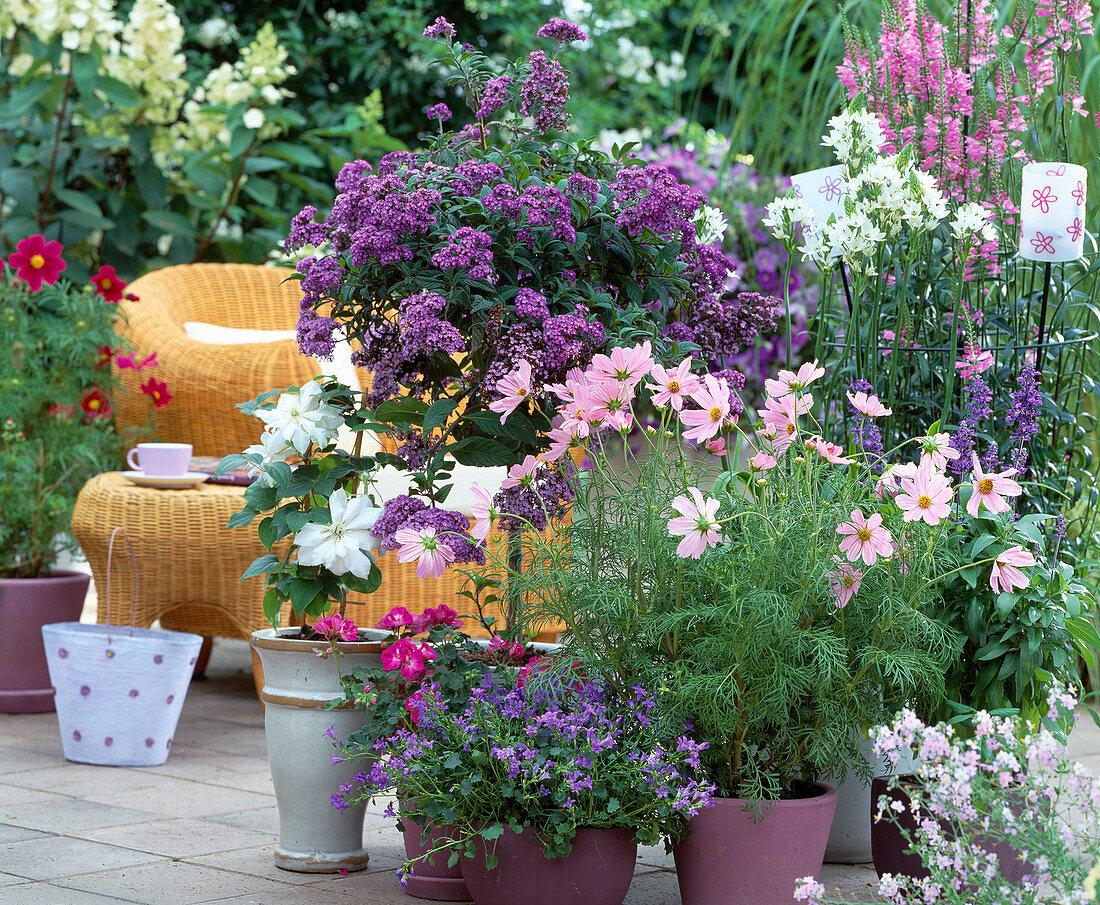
545, 93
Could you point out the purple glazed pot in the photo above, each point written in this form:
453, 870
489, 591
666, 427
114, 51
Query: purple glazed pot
435, 881
729, 860
597, 871
27, 604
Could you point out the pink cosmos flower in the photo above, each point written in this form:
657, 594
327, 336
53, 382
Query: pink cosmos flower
781, 415
762, 461
672, 386
790, 382
577, 411
890, 480
125, 361
410, 657
716, 447
609, 403
396, 618
336, 628
865, 538
522, 474
627, 366
936, 450
869, 405
574, 379
562, 440
515, 388
1006, 575
483, 511
431, 554
927, 495
830, 452
990, 489
844, 582
713, 399
697, 524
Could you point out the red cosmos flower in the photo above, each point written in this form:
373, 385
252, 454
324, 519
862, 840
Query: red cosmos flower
125, 362
37, 261
108, 284
157, 390
104, 356
95, 404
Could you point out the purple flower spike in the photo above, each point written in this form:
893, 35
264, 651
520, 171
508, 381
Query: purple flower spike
562, 31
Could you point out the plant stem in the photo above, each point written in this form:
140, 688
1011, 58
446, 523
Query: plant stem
44, 201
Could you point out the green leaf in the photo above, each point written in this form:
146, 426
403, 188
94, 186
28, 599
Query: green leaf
438, 413
118, 93
240, 140
228, 463
169, 222
244, 517
493, 832
260, 497
78, 201
482, 452
152, 184
273, 605
297, 520
267, 532
296, 154
280, 473
364, 585
264, 191
261, 565
403, 410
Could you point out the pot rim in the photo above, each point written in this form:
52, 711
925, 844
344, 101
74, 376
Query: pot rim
827, 792
272, 639
61, 576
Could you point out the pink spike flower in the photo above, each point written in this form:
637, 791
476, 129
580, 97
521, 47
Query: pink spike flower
1006, 574
865, 538
673, 385
991, 488
431, 554
927, 495
697, 524
515, 388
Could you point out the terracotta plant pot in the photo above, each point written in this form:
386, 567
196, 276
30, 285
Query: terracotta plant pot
27, 604
314, 836
888, 845
432, 880
597, 871
729, 860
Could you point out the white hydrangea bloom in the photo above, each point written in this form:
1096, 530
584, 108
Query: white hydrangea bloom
151, 60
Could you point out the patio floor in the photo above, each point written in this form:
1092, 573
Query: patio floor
202, 827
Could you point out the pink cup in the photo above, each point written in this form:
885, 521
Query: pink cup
166, 460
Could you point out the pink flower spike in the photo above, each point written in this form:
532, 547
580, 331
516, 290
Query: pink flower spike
762, 461
990, 489
515, 389
627, 366
713, 400
521, 475
927, 495
672, 386
336, 628
789, 382
483, 511
936, 450
697, 524
865, 538
431, 554
1006, 575
869, 405
844, 582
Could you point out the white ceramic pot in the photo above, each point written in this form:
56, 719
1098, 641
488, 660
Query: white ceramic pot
314, 836
850, 837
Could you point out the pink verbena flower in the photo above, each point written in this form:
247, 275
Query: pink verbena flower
865, 538
1006, 574
697, 524
991, 488
336, 628
671, 386
515, 388
927, 495
431, 554
713, 399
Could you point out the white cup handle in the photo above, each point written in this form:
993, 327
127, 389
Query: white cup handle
131, 461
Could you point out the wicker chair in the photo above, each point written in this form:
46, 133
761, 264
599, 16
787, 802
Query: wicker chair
190, 565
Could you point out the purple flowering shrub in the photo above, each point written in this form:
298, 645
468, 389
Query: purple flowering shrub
543, 748
1007, 790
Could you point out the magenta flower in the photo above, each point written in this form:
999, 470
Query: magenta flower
672, 386
991, 488
440, 30
410, 657
396, 618
562, 31
521, 475
790, 382
628, 366
431, 554
713, 399
438, 615
511, 649
927, 495
336, 628
439, 112
483, 511
865, 538
869, 405
697, 524
515, 388
844, 582
564, 439
37, 261
1006, 575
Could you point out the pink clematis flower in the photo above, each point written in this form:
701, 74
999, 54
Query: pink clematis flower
1006, 575
936, 450
990, 489
927, 495
522, 474
336, 628
869, 405
516, 390
627, 366
431, 554
790, 382
713, 399
697, 524
483, 511
411, 657
844, 582
672, 386
830, 452
865, 538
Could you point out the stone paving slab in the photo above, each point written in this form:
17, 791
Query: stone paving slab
202, 827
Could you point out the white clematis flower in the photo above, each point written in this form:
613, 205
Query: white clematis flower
274, 448
342, 545
302, 418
